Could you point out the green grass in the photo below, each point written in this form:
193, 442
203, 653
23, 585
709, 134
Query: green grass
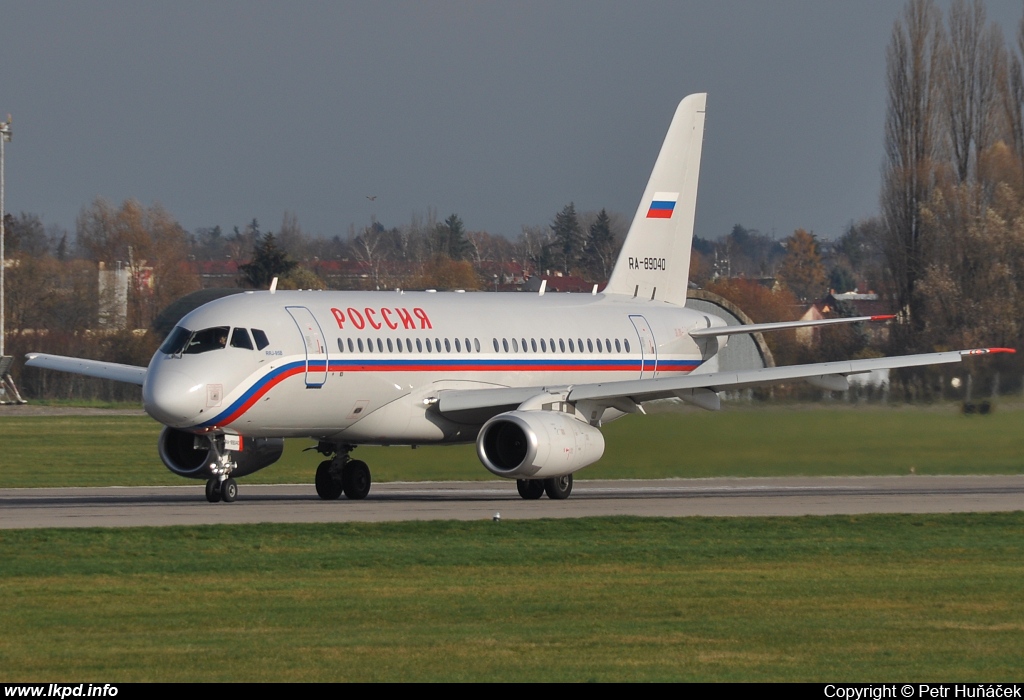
768, 441
867, 598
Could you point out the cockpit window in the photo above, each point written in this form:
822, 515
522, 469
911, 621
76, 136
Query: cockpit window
261, 338
175, 342
240, 339
207, 339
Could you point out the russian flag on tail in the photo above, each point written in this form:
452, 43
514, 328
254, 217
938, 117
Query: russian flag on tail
663, 204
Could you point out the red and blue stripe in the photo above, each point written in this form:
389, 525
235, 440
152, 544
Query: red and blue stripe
270, 380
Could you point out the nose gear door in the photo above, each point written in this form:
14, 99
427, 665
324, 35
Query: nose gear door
316, 346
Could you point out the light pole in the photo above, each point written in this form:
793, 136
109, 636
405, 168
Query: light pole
5, 136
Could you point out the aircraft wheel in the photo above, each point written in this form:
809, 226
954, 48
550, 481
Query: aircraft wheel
355, 479
327, 487
559, 487
212, 490
530, 489
229, 490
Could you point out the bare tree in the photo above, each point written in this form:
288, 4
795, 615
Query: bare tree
911, 145
973, 61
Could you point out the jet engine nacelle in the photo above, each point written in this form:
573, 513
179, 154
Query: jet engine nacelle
190, 455
537, 444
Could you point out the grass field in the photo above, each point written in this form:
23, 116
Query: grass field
867, 598
762, 441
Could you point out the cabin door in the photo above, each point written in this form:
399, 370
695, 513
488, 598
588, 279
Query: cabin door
648, 348
316, 346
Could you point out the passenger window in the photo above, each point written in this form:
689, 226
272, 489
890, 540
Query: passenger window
408, 344
351, 347
504, 344
476, 344
533, 344
240, 339
391, 348
360, 341
590, 345
341, 345
495, 344
380, 345
458, 345
447, 345
561, 344
618, 348
369, 345
627, 345
419, 345
572, 348
543, 346
261, 338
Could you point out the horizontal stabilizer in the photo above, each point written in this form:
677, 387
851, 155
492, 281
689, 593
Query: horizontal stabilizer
781, 326
90, 368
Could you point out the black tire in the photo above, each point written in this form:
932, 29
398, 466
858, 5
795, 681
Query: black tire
559, 487
327, 487
213, 490
530, 489
355, 480
228, 490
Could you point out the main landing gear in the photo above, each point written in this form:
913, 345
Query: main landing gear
341, 474
557, 488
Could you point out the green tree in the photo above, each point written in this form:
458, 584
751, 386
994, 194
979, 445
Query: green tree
268, 262
569, 239
450, 239
600, 250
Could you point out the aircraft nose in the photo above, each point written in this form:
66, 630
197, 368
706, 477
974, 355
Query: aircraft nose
173, 397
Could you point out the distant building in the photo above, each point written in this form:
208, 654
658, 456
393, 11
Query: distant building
858, 304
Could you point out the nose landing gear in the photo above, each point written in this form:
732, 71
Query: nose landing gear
221, 487
217, 490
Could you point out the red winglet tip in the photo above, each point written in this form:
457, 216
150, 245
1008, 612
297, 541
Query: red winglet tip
988, 351
883, 317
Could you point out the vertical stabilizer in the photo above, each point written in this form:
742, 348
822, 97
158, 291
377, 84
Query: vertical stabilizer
655, 259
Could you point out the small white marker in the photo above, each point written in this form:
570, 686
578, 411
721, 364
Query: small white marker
497, 517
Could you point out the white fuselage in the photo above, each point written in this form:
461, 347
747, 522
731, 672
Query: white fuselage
364, 367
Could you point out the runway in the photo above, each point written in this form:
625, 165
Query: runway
476, 500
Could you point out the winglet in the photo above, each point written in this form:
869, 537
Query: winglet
987, 351
882, 317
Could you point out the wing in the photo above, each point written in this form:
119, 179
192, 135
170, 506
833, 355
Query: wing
90, 368
472, 404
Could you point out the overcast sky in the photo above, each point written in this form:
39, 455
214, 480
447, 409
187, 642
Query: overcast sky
502, 112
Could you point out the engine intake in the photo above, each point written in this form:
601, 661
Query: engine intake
537, 444
190, 455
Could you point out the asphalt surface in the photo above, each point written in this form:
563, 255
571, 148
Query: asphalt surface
298, 503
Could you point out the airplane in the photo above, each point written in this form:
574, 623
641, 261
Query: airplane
530, 378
